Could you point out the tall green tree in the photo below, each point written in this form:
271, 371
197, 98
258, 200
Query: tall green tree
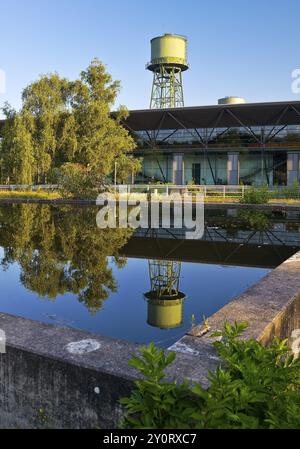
63, 122
102, 140
17, 149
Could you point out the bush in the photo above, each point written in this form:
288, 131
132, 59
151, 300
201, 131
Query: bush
79, 181
255, 387
290, 192
258, 195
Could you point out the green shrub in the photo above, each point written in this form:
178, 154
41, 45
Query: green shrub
256, 195
78, 181
291, 192
254, 387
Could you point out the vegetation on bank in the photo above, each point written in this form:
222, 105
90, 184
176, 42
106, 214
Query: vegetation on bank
284, 201
256, 196
28, 194
77, 184
262, 195
221, 199
78, 191
255, 387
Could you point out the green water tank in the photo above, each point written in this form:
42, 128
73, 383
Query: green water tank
169, 49
165, 314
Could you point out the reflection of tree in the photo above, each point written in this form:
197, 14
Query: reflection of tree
60, 249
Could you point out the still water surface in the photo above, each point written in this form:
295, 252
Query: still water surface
59, 268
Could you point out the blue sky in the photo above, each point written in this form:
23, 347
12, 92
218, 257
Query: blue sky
247, 48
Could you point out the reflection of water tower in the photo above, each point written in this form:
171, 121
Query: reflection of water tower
165, 301
168, 61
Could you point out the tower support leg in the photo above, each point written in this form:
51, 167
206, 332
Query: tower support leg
167, 91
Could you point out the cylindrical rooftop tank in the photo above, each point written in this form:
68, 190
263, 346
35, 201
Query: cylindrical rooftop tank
169, 49
231, 100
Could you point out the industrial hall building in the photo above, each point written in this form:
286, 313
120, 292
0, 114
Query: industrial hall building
250, 144
232, 142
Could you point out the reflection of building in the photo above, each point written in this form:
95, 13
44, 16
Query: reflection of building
165, 301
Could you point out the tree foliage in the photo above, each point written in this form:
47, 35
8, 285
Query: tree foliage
67, 122
60, 249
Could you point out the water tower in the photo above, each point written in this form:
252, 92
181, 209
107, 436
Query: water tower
168, 61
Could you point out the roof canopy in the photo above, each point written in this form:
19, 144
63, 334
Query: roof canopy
220, 116
217, 116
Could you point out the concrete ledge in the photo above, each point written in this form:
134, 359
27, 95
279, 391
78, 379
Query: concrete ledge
77, 377
271, 307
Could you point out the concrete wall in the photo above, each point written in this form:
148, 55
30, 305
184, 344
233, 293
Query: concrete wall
76, 378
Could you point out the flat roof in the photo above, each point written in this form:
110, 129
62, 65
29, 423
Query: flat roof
221, 116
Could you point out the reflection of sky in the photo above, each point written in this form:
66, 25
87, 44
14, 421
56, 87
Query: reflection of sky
124, 314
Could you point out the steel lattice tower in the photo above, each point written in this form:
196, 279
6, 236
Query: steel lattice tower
165, 300
164, 278
168, 61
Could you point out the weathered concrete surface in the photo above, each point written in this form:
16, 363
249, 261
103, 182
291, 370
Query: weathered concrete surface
44, 369
77, 378
271, 307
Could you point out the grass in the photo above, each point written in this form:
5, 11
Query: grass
228, 199
284, 201
208, 199
28, 194
53, 195
221, 199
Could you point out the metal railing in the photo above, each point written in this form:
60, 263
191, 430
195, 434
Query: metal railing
168, 189
225, 191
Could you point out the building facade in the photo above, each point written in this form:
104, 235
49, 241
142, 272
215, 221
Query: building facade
250, 144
